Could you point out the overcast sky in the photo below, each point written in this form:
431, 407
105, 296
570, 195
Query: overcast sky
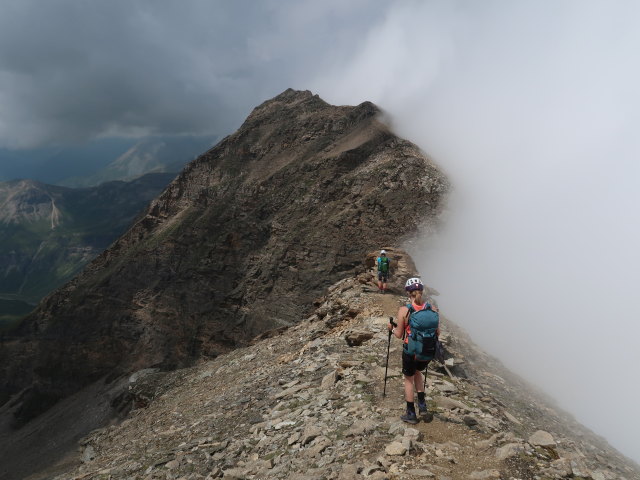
532, 108
76, 70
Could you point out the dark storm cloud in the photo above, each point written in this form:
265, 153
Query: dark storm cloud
73, 70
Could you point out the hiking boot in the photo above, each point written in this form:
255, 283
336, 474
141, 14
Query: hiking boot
409, 417
422, 408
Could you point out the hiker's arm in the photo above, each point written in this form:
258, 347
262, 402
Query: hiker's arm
398, 331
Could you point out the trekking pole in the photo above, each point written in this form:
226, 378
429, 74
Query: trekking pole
426, 369
384, 391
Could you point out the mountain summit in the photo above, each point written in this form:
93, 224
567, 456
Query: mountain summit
240, 242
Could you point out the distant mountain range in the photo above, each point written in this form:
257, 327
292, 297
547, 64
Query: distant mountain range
149, 155
48, 233
102, 160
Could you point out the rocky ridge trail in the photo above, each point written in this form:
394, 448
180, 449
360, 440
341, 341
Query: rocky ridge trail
306, 403
239, 243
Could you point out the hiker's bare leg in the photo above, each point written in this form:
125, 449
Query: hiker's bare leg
418, 381
408, 388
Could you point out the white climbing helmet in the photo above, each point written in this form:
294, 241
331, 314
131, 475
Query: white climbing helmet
383, 252
413, 284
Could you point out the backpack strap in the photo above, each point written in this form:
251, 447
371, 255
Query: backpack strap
406, 325
411, 310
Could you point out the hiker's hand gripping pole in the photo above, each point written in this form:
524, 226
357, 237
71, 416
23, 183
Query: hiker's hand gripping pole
384, 391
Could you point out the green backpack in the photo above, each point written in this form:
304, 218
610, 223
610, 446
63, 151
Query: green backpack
383, 266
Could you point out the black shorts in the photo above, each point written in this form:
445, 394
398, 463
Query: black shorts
383, 276
410, 365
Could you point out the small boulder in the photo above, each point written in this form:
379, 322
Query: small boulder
562, 467
395, 448
542, 439
234, 474
450, 403
329, 380
484, 474
509, 450
361, 427
357, 337
579, 469
421, 472
371, 469
412, 433
511, 418
88, 454
446, 387
469, 421
311, 432
319, 446
349, 472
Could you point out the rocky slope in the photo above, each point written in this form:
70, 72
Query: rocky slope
239, 243
48, 233
306, 403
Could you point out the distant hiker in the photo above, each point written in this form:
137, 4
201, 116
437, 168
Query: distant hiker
383, 264
418, 324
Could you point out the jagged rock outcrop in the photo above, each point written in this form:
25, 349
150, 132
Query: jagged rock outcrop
241, 242
305, 404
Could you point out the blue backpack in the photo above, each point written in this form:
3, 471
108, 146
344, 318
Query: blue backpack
421, 342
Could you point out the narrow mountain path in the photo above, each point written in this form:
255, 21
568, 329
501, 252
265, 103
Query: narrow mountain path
456, 455
307, 404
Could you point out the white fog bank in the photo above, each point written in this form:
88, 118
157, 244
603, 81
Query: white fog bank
533, 110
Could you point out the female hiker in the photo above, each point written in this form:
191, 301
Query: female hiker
418, 324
